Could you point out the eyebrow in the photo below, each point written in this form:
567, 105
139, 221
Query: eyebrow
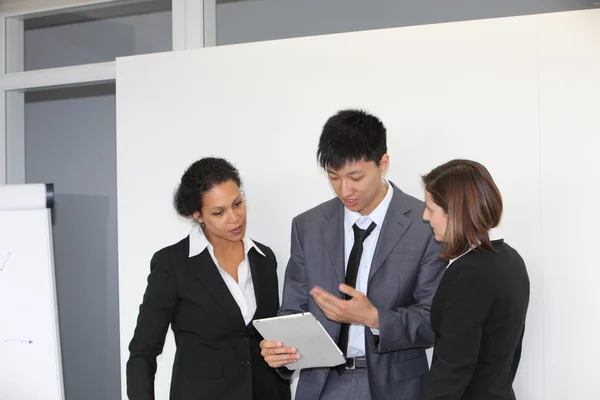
356, 171
237, 198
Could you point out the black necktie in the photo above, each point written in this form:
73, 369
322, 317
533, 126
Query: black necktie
351, 273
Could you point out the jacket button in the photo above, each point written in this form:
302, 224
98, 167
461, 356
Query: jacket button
245, 363
244, 336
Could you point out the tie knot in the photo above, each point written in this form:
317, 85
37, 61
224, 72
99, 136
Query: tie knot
361, 234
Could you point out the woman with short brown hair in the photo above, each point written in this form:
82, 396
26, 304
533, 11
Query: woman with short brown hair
479, 309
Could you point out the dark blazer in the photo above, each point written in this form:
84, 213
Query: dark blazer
218, 356
404, 274
478, 315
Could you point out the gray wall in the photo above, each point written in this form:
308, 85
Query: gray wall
70, 141
256, 20
70, 138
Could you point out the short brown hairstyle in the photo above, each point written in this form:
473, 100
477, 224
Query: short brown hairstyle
466, 192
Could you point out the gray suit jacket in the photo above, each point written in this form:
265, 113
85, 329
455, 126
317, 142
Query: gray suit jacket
404, 275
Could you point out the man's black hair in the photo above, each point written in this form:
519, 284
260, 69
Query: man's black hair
350, 136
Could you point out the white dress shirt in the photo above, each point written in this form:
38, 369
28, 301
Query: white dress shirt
356, 333
243, 290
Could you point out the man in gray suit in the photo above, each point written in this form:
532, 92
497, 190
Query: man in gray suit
366, 265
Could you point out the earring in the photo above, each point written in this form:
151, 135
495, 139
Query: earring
202, 225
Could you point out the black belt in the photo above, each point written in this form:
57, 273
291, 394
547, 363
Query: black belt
354, 363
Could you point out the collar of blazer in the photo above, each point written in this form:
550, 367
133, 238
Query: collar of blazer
208, 276
394, 227
198, 242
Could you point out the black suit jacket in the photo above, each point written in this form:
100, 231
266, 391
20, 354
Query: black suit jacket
217, 356
478, 315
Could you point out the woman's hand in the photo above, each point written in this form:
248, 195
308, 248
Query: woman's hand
277, 355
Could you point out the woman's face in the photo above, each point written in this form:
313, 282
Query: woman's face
436, 217
223, 212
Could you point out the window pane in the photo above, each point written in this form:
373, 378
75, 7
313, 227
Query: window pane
99, 35
243, 21
70, 140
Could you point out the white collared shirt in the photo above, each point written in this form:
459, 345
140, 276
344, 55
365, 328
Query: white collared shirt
243, 290
356, 333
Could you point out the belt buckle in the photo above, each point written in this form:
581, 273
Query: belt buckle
356, 362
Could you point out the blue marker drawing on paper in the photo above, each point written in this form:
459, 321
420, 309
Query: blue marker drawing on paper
21, 341
3, 260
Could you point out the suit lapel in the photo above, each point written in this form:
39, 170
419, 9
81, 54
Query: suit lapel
332, 230
208, 275
394, 227
259, 277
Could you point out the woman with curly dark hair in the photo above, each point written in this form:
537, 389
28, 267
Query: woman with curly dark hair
208, 287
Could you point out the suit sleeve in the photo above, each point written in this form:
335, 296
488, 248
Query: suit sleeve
155, 314
517, 357
295, 295
466, 306
410, 327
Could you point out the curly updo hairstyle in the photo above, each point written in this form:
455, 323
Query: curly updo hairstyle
200, 177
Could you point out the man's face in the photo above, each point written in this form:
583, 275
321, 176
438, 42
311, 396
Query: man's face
359, 185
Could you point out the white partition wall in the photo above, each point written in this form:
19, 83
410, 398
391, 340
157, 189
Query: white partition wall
569, 77
470, 90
